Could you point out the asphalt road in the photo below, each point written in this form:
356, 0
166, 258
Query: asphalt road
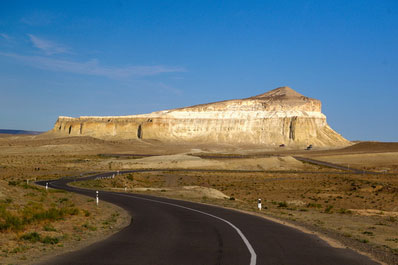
171, 232
331, 165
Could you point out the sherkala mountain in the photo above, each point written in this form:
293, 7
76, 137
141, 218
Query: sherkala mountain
280, 116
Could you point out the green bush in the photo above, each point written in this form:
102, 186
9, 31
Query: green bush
7, 200
31, 237
73, 211
49, 228
13, 183
313, 205
8, 220
282, 204
50, 240
344, 211
62, 200
329, 209
50, 214
32, 213
27, 186
86, 213
11, 222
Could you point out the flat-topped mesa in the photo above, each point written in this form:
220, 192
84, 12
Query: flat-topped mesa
280, 116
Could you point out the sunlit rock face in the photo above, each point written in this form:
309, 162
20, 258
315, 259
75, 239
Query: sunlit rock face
280, 116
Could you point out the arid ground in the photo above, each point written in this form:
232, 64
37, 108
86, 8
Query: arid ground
358, 210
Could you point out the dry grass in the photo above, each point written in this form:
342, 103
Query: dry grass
35, 223
336, 202
359, 210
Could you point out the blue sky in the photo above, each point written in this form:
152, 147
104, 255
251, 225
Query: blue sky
75, 58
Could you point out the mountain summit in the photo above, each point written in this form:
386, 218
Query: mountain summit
280, 93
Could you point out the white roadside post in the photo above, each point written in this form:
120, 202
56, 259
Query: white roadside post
259, 204
125, 188
46, 185
118, 172
96, 197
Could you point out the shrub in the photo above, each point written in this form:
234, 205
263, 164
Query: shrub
16, 250
8, 200
282, 204
344, 211
31, 237
73, 211
12, 183
62, 200
89, 227
347, 234
329, 209
9, 221
32, 213
50, 240
50, 214
314, 205
49, 228
86, 213
27, 186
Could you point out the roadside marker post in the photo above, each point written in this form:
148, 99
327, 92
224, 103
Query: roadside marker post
259, 204
46, 185
96, 197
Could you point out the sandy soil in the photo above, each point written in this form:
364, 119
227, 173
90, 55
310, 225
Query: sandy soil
186, 161
86, 225
356, 210
385, 162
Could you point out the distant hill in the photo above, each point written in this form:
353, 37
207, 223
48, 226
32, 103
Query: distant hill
374, 147
6, 131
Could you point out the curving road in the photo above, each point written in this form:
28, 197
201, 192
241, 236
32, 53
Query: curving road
171, 232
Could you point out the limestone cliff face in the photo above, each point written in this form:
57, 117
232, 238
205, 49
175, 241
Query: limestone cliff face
280, 116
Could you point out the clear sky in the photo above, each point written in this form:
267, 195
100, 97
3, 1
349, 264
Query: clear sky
77, 58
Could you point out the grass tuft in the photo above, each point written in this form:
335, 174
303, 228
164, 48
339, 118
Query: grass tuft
32, 237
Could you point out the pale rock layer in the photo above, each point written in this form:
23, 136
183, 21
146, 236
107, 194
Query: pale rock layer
280, 116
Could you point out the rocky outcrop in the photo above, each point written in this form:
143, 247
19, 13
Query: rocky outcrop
280, 116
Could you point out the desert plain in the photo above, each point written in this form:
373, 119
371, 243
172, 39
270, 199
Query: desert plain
355, 207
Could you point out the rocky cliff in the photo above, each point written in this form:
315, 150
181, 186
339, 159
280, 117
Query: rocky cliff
280, 116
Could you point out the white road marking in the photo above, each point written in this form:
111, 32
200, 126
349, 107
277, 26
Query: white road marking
253, 255
253, 258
